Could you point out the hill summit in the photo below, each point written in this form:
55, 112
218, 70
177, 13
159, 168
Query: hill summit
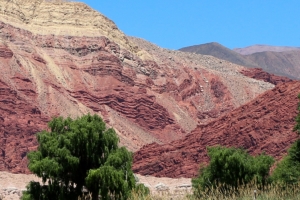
281, 61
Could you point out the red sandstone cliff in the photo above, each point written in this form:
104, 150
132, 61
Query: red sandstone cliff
263, 125
19, 122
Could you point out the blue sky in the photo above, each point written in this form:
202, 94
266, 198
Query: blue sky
179, 23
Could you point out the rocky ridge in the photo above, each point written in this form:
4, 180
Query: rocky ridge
60, 18
259, 74
282, 61
222, 84
217, 50
265, 124
263, 48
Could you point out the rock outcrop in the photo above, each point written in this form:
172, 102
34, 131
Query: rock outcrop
265, 124
259, 74
19, 122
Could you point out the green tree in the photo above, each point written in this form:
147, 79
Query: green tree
78, 154
288, 169
231, 167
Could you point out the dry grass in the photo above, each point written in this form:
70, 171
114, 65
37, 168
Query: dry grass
270, 192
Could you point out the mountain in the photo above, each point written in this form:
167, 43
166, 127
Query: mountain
286, 63
282, 61
265, 124
66, 59
263, 48
219, 51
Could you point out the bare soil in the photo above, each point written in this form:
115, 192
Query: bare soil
12, 185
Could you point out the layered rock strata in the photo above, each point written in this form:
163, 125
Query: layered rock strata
265, 124
259, 74
65, 59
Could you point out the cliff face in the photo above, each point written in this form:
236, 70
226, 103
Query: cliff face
264, 124
19, 122
65, 59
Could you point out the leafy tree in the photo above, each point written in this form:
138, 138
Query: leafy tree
231, 167
78, 154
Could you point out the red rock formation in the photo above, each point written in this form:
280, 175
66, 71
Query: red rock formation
259, 74
5, 52
263, 125
69, 60
19, 122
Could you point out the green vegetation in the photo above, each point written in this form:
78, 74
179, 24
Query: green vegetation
245, 192
288, 169
80, 155
297, 126
229, 168
140, 192
231, 171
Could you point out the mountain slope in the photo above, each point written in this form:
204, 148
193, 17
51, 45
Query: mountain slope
263, 48
263, 125
285, 63
65, 59
221, 52
282, 61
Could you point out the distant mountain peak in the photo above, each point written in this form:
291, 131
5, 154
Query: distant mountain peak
219, 51
263, 48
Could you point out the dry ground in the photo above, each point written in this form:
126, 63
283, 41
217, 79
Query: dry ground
11, 185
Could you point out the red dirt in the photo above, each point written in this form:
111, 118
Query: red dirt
263, 125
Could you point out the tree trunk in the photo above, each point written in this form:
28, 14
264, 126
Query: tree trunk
95, 195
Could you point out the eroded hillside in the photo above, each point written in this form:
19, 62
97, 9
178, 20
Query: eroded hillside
265, 124
65, 59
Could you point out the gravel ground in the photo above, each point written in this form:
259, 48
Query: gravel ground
12, 185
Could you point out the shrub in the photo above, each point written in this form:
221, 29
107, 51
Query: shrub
229, 168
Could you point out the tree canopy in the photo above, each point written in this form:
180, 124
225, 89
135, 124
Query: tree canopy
77, 155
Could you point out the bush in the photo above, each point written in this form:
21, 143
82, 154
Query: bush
230, 168
140, 192
288, 169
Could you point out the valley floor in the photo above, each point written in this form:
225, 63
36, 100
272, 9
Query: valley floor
12, 185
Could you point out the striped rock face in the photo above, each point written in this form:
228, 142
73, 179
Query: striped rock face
264, 124
65, 59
